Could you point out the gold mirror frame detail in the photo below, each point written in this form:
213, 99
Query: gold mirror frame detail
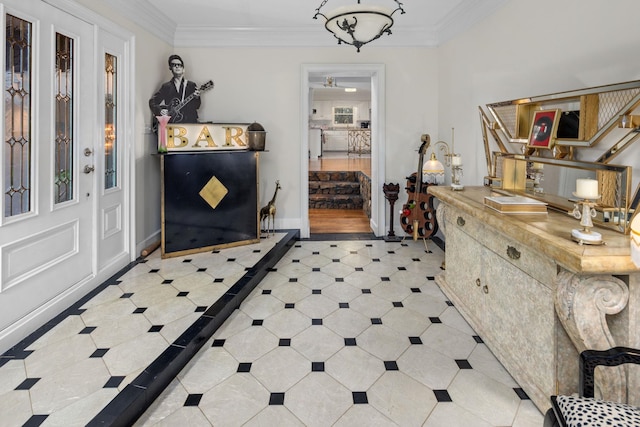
599, 110
516, 174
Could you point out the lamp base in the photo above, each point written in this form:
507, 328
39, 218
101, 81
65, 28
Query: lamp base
587, 237
457, 187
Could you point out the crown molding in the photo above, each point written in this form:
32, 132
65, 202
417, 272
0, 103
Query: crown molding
466, 14
289, 37
150, 18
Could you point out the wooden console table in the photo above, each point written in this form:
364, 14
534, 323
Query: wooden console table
536, 297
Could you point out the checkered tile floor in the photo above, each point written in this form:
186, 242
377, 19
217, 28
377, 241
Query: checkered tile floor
340, 332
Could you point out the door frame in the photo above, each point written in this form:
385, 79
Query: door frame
44, 313
378, 138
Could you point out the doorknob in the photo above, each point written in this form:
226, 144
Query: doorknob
88, 152
89, 169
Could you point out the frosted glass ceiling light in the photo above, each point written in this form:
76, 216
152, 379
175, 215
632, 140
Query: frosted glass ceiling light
358, 24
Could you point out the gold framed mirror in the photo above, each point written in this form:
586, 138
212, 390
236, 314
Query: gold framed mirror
595, 127
553, 181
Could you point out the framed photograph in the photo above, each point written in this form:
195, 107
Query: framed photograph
543, 129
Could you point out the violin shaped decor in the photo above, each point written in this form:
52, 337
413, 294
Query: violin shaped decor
418, 216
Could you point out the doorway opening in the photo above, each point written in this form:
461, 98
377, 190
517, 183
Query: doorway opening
342, 149
339, 193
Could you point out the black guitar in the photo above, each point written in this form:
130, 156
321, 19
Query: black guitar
177, 105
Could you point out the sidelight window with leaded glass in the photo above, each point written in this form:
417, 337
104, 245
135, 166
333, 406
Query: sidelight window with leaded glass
17, 157
110, 125
63, 161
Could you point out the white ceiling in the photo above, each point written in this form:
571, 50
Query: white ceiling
223, 23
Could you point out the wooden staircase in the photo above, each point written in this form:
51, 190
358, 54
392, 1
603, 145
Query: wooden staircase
334, 190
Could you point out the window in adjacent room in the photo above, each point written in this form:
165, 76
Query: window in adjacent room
344, 116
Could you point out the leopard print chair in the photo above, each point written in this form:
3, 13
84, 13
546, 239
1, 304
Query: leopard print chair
584, 410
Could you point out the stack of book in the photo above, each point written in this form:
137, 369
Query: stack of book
515, 204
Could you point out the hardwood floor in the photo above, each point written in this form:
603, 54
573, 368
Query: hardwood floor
327, 221
342, 162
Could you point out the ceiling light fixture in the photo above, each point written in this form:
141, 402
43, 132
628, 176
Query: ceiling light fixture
350, 89
330, 82
358, 24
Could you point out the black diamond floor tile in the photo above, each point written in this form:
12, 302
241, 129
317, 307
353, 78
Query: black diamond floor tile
442, 396
35, 420
360, 397
99, 352
114, 382
276, 399
244, 367
463, 364
27, 383
390, 365
193, 400
521, 393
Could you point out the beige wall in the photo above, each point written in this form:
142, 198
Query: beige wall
526, 48
530, 48
263, 85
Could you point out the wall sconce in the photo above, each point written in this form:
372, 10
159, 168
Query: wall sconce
629, 121
433, 169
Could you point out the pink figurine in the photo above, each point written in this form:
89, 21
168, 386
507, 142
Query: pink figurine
162, 132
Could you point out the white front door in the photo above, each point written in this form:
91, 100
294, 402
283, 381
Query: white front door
48, 162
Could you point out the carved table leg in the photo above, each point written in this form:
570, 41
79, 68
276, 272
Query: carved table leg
582, 304
441, 225
440, 218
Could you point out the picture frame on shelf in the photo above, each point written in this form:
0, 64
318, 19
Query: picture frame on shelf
543, 129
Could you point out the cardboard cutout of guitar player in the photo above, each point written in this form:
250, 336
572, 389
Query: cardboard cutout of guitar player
178, 98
